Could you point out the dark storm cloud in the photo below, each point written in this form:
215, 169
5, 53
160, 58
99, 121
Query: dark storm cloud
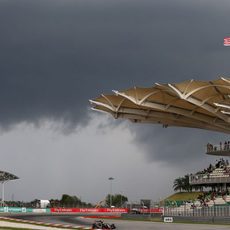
57, 54
177, 146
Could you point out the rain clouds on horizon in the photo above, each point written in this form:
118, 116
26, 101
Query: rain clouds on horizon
57, 54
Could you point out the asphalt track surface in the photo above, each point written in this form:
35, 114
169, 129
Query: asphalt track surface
124, 224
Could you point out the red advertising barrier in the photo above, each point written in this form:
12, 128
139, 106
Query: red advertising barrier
102, 210
89, 210
151, 210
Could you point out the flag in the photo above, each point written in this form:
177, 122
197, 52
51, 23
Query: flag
227, 41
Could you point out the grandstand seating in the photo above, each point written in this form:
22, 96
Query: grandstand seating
214, 175
210, 203
181, 205
217, 178
227, 198
219, 172
219, 201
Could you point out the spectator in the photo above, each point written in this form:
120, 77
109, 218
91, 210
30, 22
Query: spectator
225, 145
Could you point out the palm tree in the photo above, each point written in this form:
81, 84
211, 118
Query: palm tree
186, 186
178, 184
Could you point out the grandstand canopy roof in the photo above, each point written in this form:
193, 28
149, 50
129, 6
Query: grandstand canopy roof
5, 176
192, 103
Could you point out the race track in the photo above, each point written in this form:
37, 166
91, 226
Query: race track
124, 224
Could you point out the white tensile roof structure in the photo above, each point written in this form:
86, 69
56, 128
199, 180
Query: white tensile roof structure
5, 176
194, 104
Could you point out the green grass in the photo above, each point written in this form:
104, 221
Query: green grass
184, 196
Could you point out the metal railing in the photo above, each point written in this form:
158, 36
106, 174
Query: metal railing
200, 179
214, 211
217, 148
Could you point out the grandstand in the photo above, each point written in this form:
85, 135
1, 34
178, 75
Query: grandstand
217, 177
222, 149
214, 174
214, 181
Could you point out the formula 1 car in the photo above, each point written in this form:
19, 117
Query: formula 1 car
100, 225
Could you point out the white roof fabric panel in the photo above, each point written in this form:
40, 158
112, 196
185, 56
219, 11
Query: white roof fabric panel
195, 104
5, 176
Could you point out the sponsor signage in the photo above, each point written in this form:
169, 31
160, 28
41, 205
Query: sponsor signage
151, 210
90, 210
23, 210
168, 219
74, 210
227, 41
41, 210
103, 210
15, 209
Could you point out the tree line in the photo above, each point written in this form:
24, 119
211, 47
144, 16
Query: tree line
68, 201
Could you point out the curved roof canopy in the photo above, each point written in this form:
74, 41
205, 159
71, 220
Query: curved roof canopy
194, 104
5, 176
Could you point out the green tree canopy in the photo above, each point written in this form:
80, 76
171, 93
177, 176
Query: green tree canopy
182, 184
117, 200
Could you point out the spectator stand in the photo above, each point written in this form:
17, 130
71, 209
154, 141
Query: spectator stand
218, 173
221, 149
214, 182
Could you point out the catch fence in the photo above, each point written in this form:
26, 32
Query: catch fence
214, 211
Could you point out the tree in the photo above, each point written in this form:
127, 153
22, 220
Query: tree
70, 201
117, 200
178, 184
182, 183
186, 186
55, 203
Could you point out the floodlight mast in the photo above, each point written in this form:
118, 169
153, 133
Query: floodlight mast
111, 191
3, 194
5, 177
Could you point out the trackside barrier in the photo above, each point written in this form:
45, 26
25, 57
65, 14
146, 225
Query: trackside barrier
151, 210
103, 210
41, 210
89, 210
23, 210
76, 210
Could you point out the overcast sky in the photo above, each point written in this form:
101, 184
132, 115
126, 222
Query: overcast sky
57, 54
